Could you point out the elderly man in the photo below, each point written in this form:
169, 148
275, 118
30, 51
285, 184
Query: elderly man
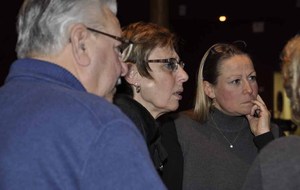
58, 127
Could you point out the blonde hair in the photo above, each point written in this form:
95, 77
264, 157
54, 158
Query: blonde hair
290, 56
209, 71
290, 69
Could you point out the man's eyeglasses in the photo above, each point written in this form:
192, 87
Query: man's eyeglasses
172, 63
124, 49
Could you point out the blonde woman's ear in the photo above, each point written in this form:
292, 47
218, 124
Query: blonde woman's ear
208, 89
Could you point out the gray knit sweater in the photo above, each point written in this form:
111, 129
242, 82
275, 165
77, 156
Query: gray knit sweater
277, 167
209, 162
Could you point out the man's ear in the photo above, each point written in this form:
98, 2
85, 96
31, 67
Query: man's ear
78, 40
208, 89
132, 76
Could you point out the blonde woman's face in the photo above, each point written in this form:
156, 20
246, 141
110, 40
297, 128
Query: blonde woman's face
291, 83
236, 86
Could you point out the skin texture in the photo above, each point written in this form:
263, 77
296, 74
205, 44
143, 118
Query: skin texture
109, 66
94, 59
162, 93
236, 86
236, 93
292, 88
291, 76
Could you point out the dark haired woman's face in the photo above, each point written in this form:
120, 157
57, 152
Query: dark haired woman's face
236, 86
162, 93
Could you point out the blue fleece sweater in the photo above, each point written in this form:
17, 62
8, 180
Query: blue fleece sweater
55, 135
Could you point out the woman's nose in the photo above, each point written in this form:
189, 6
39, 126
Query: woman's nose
248, 87
182, 74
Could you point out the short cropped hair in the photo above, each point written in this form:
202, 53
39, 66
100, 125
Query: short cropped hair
43, 25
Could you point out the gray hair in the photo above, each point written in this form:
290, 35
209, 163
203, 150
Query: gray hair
43, 25
290, 68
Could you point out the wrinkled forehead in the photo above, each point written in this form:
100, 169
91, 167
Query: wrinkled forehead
236, 63
106, 21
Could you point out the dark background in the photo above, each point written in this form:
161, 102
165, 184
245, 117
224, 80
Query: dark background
198, 28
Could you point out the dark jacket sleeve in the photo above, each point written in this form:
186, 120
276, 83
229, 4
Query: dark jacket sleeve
173, 169
262, 140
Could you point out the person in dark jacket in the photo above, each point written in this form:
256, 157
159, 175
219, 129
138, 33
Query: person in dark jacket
290, 69
228, 126
277, 167
58, 126
154, 83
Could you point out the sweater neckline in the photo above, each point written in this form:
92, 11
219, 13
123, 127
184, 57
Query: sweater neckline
226, 122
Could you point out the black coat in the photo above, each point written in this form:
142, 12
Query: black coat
148, 127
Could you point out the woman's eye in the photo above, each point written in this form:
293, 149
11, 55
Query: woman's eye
252, 78
236, 81
170, 66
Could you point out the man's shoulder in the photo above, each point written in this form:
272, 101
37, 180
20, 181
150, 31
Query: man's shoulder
88, 102
82, 106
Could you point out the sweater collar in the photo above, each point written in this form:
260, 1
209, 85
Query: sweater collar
43, 70
227, 122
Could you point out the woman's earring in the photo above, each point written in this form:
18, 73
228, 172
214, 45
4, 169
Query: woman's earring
138, 89
213, 102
